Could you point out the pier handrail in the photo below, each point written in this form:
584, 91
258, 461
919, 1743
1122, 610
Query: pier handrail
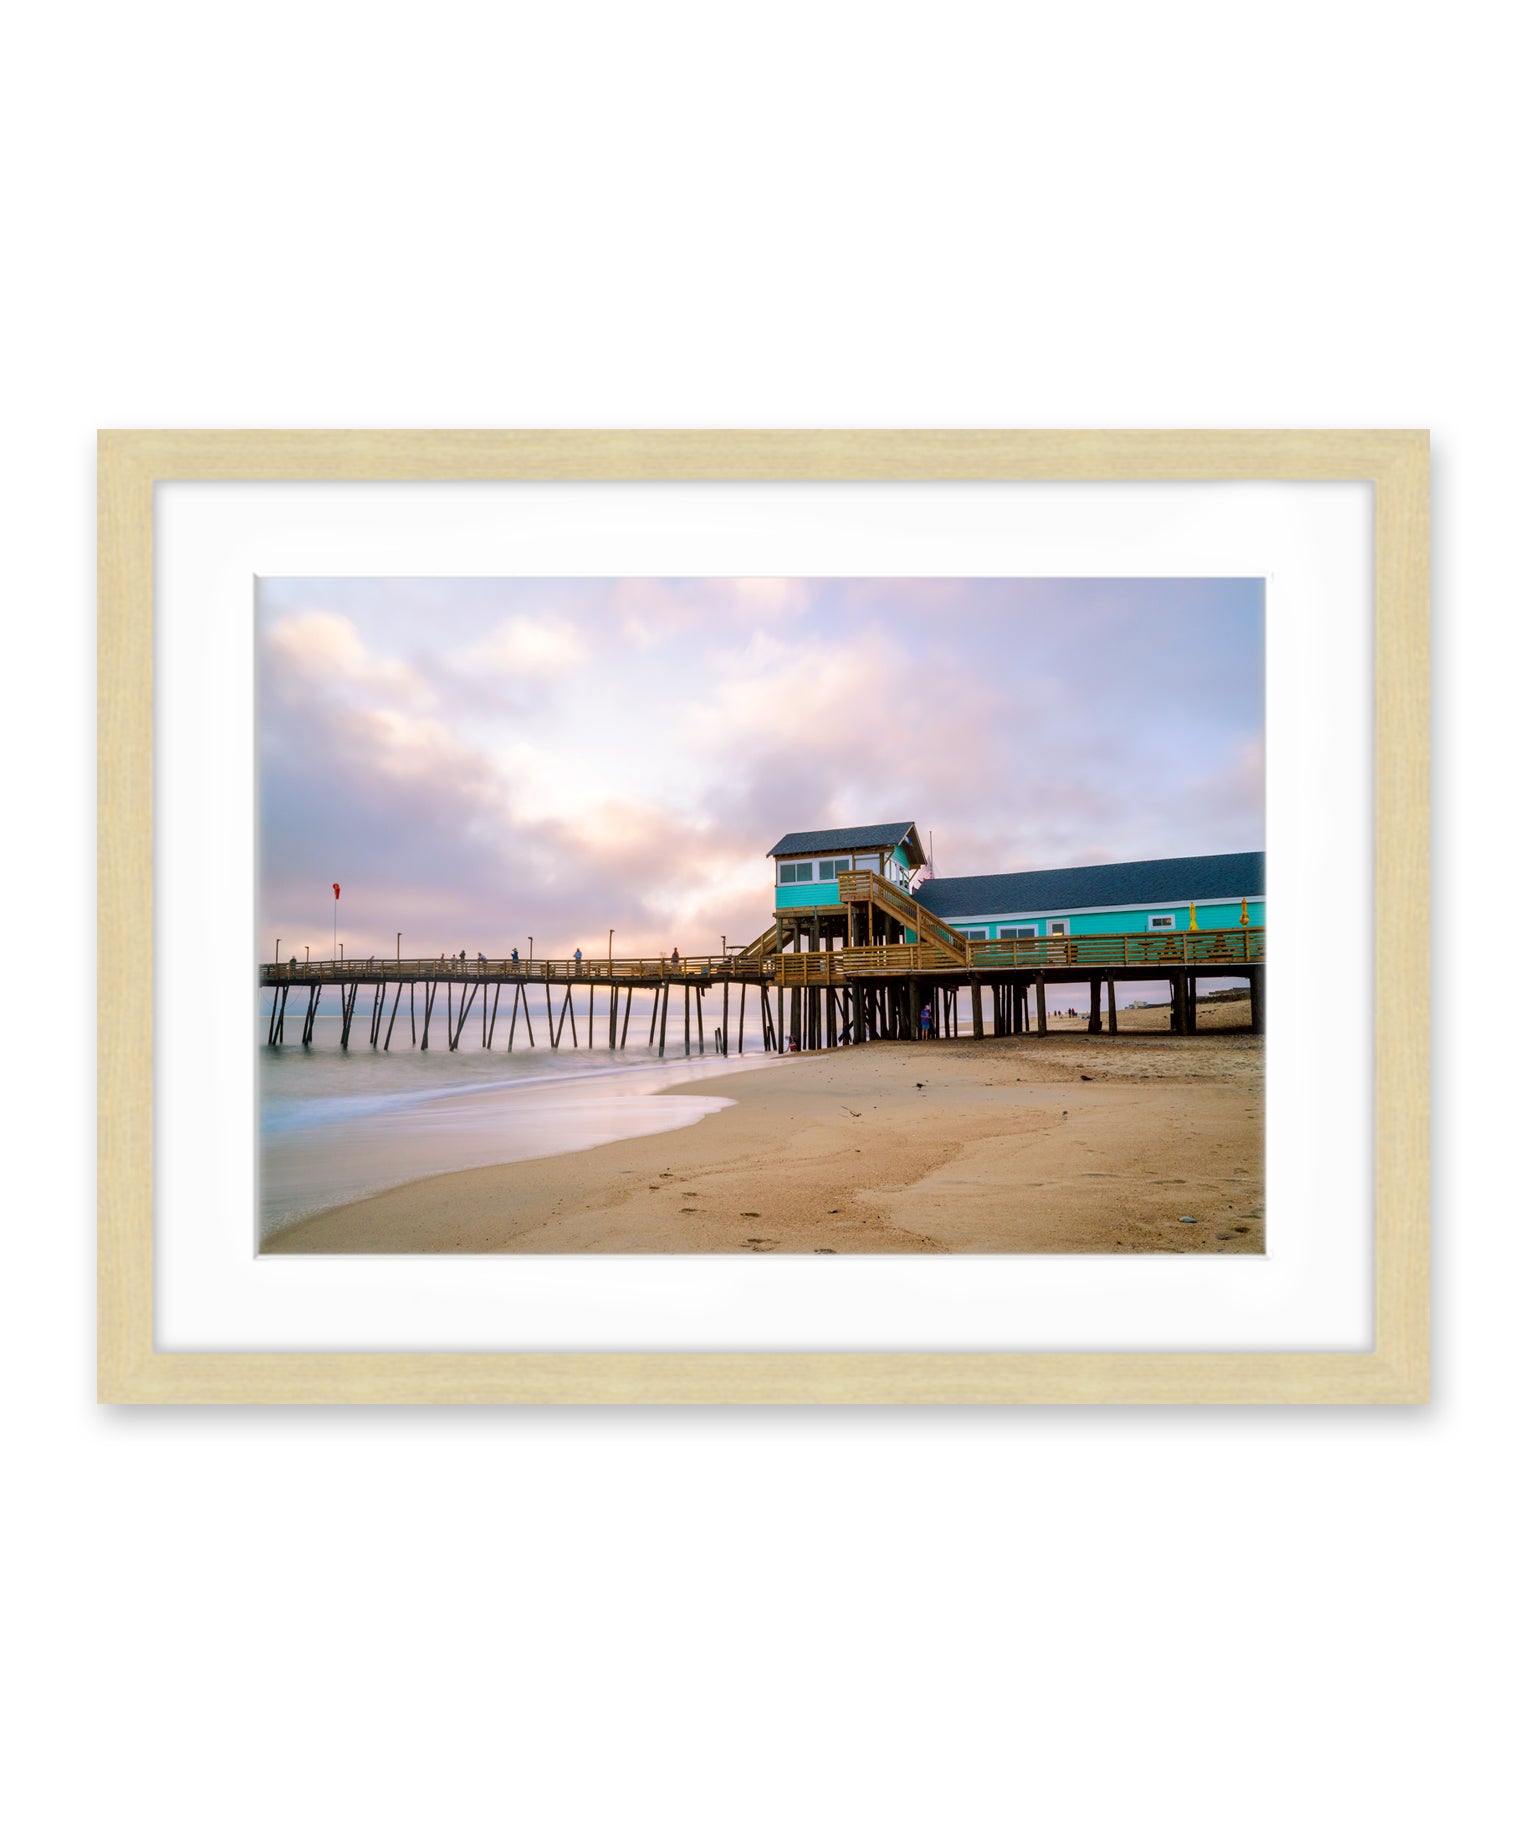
1149, 948
596, 968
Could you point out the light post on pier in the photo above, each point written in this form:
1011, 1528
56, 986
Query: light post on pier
277, 943
531, 948
397, 948
611, 951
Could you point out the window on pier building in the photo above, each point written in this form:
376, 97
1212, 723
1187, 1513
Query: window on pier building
1012, 932
1165, 920
803, 872
830, 868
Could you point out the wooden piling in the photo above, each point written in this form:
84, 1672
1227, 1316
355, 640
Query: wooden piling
1110, 994
656, 998
1257, 999
742, 1003
1041, 1003
549, 1016
699, 1013
490, 1032
1094, 1002
662, 1041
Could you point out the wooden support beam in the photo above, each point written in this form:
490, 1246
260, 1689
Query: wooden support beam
411, 1001
656, 997
429, 995
688, 1024
1257, 999
1094, 1002
466, 1001
779, 1038
699, 1014
272, 1020
977, 1008
496, 1001
550, 1016
1110, 994
662, 1041
742, 1004
624, 1037
1041, 1003
726, 1017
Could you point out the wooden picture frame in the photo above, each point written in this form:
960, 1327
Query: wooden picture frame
1394, 1370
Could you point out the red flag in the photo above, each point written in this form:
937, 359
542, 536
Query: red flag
337, 889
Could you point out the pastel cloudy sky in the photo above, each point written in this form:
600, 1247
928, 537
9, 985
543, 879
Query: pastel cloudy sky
477, 760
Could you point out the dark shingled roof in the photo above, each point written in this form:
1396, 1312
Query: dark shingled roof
1138, 885
848, 839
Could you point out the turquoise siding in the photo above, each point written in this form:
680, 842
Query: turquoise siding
1125, 922
806, 897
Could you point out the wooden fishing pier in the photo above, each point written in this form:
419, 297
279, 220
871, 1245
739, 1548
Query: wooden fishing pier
843, 976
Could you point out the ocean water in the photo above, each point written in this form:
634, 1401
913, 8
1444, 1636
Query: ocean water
337, 1125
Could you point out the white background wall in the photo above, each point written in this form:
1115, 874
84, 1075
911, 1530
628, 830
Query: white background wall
425, 1625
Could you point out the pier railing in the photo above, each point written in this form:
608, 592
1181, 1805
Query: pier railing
597, 968
1153, 949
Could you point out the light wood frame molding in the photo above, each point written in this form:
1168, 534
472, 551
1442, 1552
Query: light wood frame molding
131, 463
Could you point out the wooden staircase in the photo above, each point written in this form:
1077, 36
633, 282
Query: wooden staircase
932, 931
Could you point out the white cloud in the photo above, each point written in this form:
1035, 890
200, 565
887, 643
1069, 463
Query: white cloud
528, 647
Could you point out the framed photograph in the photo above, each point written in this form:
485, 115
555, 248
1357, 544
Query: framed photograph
816, 917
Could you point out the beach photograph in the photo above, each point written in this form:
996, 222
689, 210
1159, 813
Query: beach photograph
584, 926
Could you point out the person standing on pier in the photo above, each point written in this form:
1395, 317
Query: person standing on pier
577, 958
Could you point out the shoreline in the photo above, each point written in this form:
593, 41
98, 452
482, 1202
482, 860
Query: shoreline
1063, 1144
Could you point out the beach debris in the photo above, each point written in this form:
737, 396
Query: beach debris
918, 1086
833, 1211
825, 1253
748, 1214
848, 1111
1188, 1221
1085, 1077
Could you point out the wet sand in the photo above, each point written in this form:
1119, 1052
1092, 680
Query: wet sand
1063, 1144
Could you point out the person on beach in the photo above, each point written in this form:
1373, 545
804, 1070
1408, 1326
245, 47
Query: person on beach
925, 1021
792, 1045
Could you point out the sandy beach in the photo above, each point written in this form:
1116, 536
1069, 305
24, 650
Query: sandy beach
1063, 1144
